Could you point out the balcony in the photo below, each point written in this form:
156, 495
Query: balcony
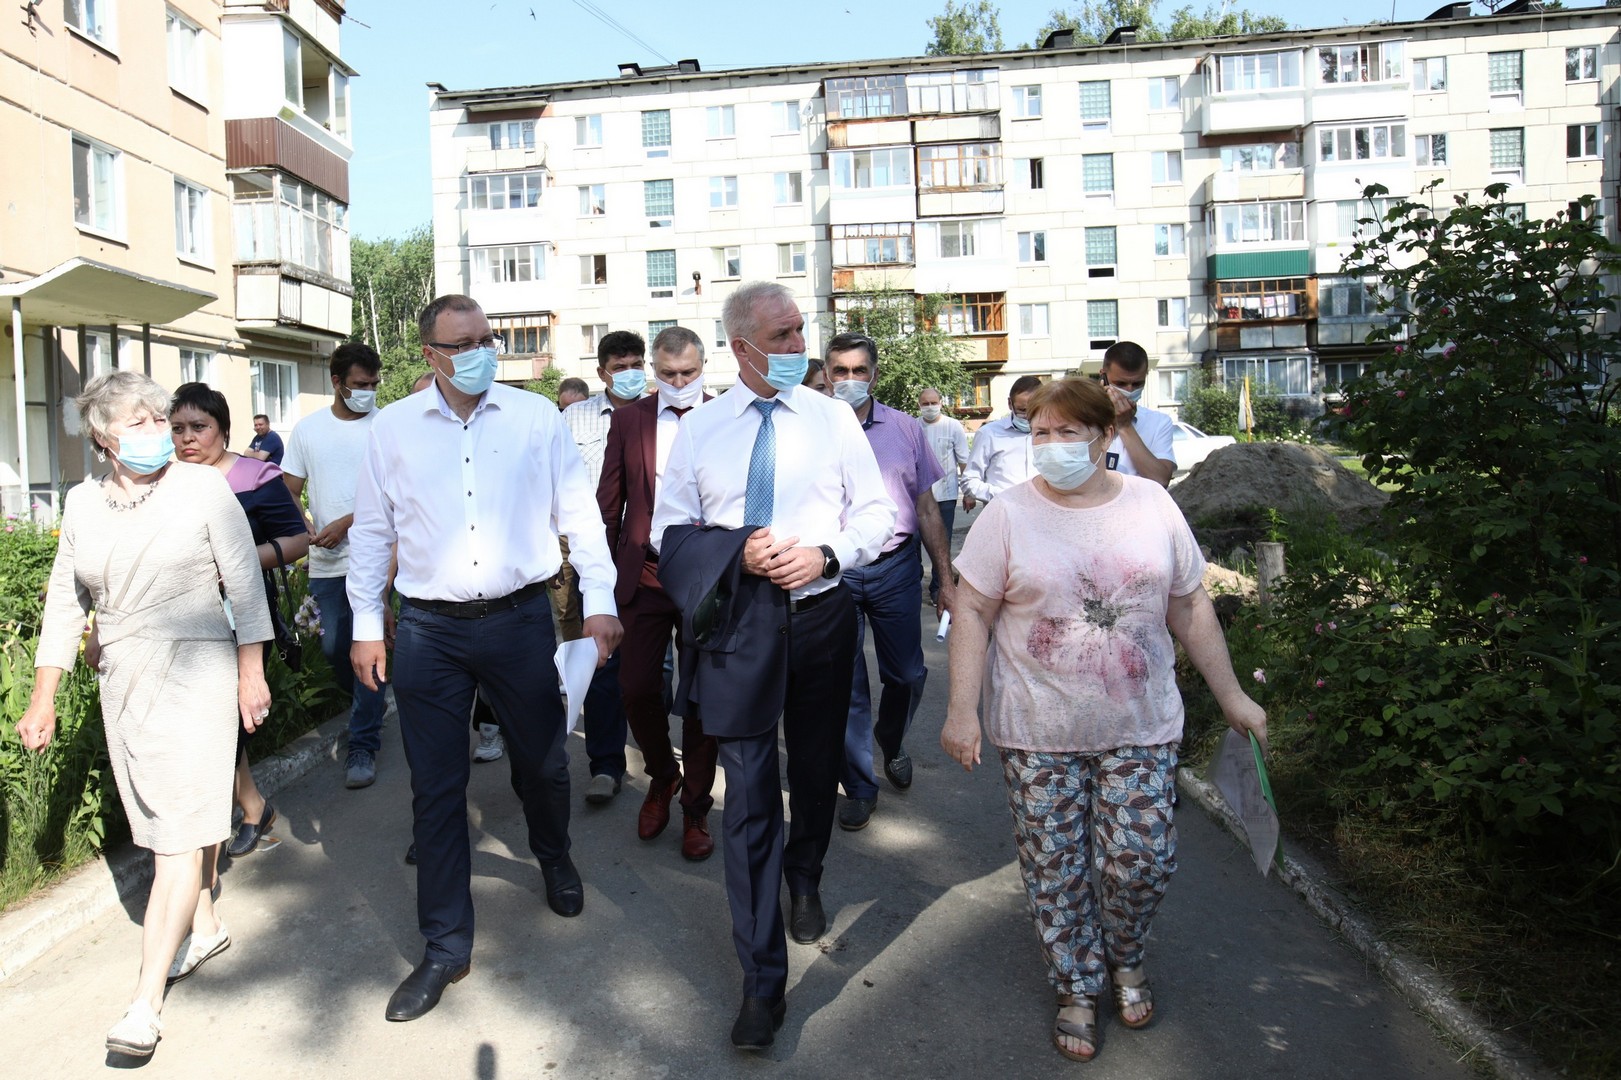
1253, 186
1259, 239
291, 259
1253, 92
280, 305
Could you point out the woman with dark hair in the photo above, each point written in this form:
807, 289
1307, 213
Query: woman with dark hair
1077, 579
816, 377
200, 423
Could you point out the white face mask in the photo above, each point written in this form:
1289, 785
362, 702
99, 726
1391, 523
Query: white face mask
929, 413
853, 392
684, 397
1064, 465
360, 401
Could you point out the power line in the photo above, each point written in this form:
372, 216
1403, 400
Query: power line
608, 20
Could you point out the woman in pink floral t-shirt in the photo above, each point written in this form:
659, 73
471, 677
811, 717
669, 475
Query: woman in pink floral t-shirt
1074, 583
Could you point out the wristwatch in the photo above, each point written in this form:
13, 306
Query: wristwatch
830, 569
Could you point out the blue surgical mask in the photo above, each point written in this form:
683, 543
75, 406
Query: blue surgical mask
629, 384
1064, 465
1022, 423
853, 392
784, 371
360, 401
1133, 396
145, 454
475, 370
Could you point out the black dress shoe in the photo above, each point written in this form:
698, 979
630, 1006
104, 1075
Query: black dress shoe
565, 892
899, 770
420, 991
248, 834
757, 1023
411, 854
806, 921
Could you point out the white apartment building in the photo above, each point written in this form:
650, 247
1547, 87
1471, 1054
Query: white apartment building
161, 217
1198, 197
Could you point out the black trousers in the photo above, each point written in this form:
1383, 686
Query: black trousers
821, 654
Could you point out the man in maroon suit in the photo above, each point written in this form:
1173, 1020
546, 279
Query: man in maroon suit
639, 439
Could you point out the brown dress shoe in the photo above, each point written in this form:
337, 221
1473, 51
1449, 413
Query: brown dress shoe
655, 814
696, 844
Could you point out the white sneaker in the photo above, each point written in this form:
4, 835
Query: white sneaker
490, 746
137, 1033
194, 950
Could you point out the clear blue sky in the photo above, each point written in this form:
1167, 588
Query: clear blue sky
467, 44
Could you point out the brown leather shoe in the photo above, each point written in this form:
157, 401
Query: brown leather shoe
696, 844
655, 814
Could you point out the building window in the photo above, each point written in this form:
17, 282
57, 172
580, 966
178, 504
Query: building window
1260, 157
791, 259
1163, 94
790, 188
1429, 74
1258, 71
1174, 386
722, 192
721, 340
661, 269
185, 58
1372, 142
976, 396
191, 232
275, 390
92, 18
1505, 73
593, 270
1033, 320
512, 135
1166, 167
722, 121
930, 93
1338, 373
1170, 240
858, 169
656, 132
1101, 249
866, 96
973, 313
292, 71
1095, 105
1102, 319
1349, 215
588, 130
1508, 153
785, 117
1380, 62
1289, 375
1257, 223
1581, 141
729, 262
1269, 298
1033, 171
1581, 63
872, 245
1097, 174
278, 219
506, 265
1171, 313
958, 239
1033, 247
1026, 102
525, 335
591, 335
656, 327
506, 191
196, 365
967, 165
1430, 150
658, 197
593, 200
98, 186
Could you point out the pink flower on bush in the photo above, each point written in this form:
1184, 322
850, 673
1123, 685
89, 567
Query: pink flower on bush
1446, 311
1398, 350
1321, 683
1333, 626
1581, 560
1523, 761
1311, 716
1401, 393
1258, 673
1318, 629
1497, 596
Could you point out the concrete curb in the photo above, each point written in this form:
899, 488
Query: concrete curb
1415, 982
124, 874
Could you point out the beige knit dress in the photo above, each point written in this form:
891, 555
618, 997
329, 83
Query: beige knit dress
168, 653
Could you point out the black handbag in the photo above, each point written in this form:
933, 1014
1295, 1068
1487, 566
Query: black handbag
289, 646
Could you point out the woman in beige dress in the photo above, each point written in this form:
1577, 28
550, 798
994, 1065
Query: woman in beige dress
149, 546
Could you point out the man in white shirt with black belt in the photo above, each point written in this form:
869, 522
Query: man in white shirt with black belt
1142, 443
468, 478
1000, 458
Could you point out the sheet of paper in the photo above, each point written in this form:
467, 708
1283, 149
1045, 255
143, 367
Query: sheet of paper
1236, 772
576, 663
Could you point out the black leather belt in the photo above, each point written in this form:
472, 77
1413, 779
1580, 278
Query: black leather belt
478, 609
805, 603
902, 546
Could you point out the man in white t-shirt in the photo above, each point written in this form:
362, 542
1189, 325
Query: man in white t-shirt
326, 451
1142, 443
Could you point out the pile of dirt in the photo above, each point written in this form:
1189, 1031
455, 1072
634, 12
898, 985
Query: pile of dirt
1226, 496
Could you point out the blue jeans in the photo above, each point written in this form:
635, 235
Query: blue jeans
889, 595
337, 634
948, 515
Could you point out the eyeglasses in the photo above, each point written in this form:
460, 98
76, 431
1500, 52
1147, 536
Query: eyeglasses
490, 341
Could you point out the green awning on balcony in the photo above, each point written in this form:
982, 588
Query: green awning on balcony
1234, 265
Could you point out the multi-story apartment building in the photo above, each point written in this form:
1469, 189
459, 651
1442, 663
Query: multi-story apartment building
1198, 197
163, 218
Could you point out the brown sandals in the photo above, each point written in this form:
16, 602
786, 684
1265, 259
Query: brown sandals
1087, 1032
1136, 992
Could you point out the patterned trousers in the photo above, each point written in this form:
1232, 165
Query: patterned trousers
1070, 810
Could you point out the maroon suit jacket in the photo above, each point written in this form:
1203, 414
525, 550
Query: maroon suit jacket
626, 491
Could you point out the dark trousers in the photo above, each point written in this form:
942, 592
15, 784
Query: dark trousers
439, 662
888, 596
821, 650
650, 619
948, 517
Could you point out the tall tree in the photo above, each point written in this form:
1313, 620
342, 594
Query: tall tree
915, 350
1219, 22
1094, 20
393, 282
969, 27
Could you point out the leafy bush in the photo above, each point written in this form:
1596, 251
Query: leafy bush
1212, 407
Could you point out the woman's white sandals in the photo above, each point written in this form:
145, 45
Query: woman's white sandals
194, 950
137, 1033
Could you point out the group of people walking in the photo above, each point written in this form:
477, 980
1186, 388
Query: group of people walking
754, 537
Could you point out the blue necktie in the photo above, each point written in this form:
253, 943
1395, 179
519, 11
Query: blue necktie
759, 498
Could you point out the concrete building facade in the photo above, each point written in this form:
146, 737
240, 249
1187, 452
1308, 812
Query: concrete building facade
1198, 197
